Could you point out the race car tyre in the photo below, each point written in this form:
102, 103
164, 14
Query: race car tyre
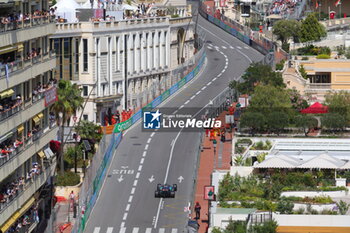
156, 194
158, 186
175, 187
172, 194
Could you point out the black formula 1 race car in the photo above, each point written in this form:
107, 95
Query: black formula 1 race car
165, 190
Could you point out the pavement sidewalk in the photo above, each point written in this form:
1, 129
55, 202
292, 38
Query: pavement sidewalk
207, 164
64, 217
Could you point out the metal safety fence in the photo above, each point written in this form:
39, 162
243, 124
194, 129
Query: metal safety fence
96, 172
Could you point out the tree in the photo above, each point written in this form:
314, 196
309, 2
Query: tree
239, 160
339, 102
255, 121
298, 101
89, 130
268, 98
68, 103
285, 206
277, 121
266, 227
306, 123
343, 207
333, 121
257, 74
286, 29
311, 29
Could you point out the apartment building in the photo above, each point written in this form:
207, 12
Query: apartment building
110, 58
27, 90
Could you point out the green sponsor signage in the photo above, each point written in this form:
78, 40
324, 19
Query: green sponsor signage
182, 82
122, 126
165, 94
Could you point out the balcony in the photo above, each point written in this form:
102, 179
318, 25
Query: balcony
26, 192
22, 71
22, 113
16, 32
31, 146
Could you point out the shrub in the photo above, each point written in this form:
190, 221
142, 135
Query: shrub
328, 212
285, 206
68, 179
279, 66
323, 56
301, 210
302, 72
304, 58
323, 199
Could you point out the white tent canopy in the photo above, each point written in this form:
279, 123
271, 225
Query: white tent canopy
323, 161
66, 9
87, 4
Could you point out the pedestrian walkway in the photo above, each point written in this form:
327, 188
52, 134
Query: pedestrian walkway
64, 219
135, 230
208, 162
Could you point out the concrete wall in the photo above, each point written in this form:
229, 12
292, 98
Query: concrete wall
332, 194
312, 220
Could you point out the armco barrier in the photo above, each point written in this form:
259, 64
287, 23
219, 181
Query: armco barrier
157, 101
87, 200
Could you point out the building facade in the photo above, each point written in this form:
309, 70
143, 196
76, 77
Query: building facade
27, 90
122, 64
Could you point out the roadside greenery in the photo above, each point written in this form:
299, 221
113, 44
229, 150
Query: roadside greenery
264, 193
311, 50
241, 227
67, 179
260, 145
311, 29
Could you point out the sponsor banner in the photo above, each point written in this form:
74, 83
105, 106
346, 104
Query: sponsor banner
195, 71
182, 82
136, 116
210, 18
122, 126
173, 89
190, 76
234, 32
246, 40
209, 192
156, 101
51, 96
222, 25
165, 95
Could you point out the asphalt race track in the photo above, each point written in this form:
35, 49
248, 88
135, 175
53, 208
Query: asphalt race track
143, 159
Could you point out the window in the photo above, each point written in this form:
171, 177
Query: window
85, 91
76, 56
85, 117
85, 51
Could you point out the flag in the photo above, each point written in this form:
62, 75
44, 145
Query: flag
337, 2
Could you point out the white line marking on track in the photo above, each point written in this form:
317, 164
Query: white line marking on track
208, 83
133, 190
146, 147
148, 230
122, 230
152, 134
135, 183
192, 97
161, 230
246, 47
187, 102
140, 168
137, 175
130, 198
125, 216
149, 140
203, 88
109, 230
127, 207
122, 225
142, 160
213, 79
224, 47
173, 230
239, 47
198, 92
250, 60
181, 106
97, 229
135, 230
144, 154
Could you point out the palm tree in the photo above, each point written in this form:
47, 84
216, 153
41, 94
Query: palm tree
68, 103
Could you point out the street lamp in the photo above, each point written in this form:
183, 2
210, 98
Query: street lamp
60, 114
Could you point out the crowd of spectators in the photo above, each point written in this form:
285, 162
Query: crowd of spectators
283, 7
17, 17
25, 221
9, 106
32, 54
11, 189
40, 88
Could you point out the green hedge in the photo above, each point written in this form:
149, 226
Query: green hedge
323, 56
68, 179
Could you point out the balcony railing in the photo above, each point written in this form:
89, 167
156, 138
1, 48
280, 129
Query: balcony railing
27, 23
320, 85
18, 65
26, 143
8, 113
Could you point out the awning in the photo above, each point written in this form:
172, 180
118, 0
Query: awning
7, 93
20, 47
36, 120
48, 153
40, 115
6, 136
20, 129
41, 154
8, 49
17, 215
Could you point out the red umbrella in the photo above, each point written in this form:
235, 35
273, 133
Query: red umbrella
315, 108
